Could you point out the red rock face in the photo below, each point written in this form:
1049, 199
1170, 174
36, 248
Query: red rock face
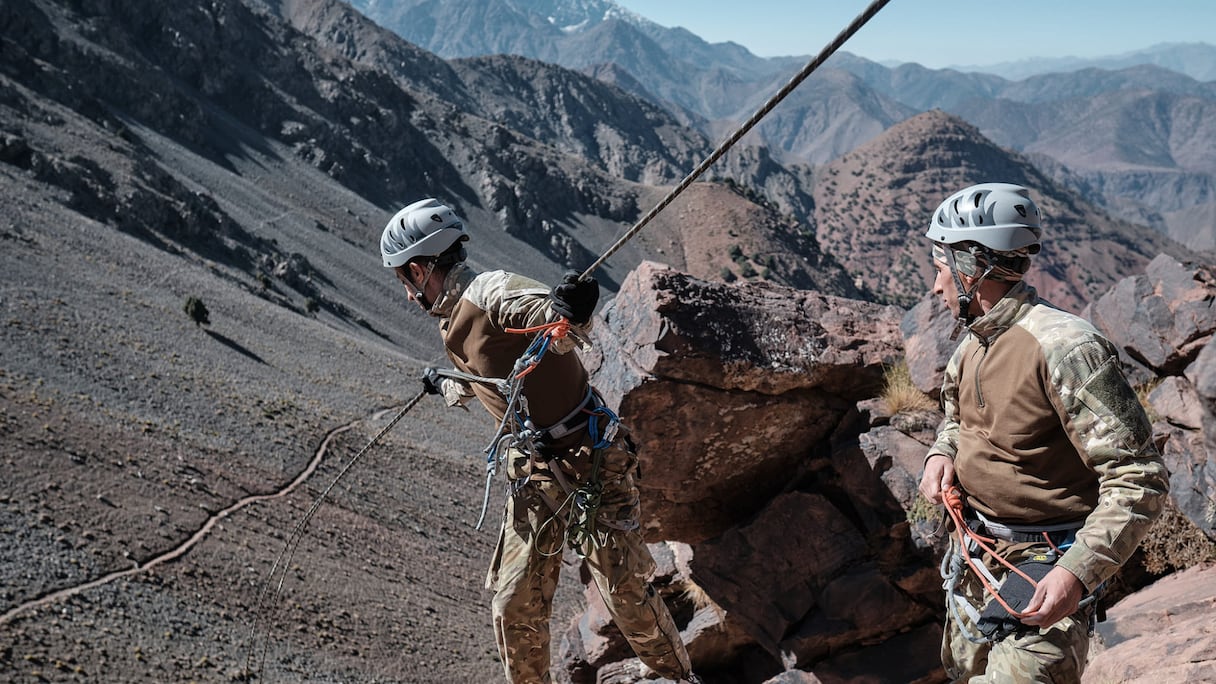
1161, 634
726, 389
742, 400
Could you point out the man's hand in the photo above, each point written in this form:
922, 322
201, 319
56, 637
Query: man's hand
575, 299
939, 475
1057, 596
430, 381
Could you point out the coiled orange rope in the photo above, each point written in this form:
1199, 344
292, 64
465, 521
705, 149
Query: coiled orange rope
953, 499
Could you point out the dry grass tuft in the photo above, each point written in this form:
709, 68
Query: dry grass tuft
901, 394
1142, 392
700, 599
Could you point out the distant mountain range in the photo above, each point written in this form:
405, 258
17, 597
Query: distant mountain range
1130, 132
556, 160
1197, 60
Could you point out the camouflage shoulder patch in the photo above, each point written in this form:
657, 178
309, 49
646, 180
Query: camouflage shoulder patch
1108, 394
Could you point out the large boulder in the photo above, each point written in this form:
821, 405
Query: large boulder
743, 400
1162, 633
1186, 427
926, 332
1162, 318
726, 388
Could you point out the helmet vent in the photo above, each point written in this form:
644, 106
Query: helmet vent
1021, 210
436, 219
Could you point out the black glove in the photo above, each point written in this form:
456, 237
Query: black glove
430, 381
574, 298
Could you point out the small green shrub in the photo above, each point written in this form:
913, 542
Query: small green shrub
197, 311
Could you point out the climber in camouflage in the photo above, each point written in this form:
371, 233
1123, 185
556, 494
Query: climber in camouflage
575, 452
1050, 451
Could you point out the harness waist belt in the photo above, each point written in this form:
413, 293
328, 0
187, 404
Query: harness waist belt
576, 419
1022, 533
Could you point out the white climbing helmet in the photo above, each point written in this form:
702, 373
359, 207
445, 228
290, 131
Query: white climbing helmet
999, 216
425, 228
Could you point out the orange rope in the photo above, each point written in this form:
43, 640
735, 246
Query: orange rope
557, 329
953, 499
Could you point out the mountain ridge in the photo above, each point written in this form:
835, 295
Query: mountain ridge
716, 86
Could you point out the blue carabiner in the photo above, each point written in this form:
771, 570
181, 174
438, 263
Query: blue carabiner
593, 427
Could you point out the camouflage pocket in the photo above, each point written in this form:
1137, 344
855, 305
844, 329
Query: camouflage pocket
1112, 400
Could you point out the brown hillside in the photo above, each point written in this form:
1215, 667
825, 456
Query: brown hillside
721, 231
872, 203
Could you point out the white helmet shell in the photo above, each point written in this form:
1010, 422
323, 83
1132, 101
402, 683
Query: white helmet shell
425, 228
999, 216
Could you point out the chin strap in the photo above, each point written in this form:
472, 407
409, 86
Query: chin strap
965, 296
419, 295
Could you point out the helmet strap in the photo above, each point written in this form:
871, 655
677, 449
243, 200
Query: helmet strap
965, 295
419, 292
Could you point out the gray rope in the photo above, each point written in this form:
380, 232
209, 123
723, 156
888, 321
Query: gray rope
293, 542
794, 82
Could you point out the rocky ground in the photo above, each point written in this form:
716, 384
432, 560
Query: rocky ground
126, 429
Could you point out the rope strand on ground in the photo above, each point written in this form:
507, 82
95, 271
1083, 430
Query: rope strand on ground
283, 561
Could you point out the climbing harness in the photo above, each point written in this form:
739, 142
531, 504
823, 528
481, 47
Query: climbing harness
755, 118
516, 431
1002, 616
582, 520
288, 553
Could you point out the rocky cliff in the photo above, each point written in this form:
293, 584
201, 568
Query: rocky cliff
779, 490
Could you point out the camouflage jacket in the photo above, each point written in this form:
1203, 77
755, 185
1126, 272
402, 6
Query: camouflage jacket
475, 312
1044, 429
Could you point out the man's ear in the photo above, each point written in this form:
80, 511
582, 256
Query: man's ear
414, 271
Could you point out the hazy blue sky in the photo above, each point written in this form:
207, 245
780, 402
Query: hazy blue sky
938, 33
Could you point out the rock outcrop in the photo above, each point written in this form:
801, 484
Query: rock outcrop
780, 493
1164, 321
1161, 634
743, 403
727, 388
1162, 318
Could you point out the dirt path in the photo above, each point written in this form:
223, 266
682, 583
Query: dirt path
202, 532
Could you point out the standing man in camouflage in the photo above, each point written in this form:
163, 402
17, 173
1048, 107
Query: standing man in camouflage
1049, 449
575, 459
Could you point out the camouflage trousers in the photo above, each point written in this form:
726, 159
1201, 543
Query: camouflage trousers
1055, 654
526, 563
